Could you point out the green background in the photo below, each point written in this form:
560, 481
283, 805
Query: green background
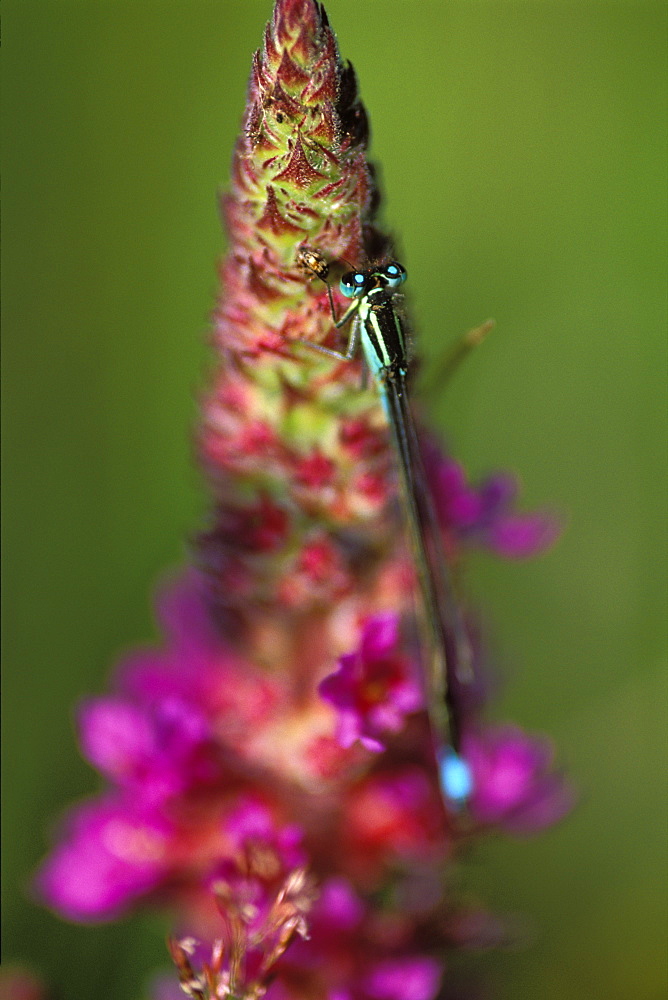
523, 156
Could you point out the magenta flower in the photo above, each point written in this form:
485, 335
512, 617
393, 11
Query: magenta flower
351, 955
272, 778
404, 979
110, 857
252, 822
484, 515
157, 751
394, 817
514, 786
374, 687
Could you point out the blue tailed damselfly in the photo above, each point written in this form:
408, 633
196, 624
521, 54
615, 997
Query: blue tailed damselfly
376, 323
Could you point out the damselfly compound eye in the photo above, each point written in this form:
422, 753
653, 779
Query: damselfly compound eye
395, 274
353, 284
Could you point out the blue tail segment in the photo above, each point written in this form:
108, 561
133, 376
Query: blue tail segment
455, 776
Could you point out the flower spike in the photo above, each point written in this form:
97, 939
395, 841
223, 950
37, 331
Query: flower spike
270, 769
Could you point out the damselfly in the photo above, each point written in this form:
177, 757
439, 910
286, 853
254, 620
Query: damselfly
377, 324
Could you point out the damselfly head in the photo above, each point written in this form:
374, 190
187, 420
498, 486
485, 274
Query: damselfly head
357, 282
390, 275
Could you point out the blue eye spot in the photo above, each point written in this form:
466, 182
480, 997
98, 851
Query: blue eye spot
395, 274
353, 284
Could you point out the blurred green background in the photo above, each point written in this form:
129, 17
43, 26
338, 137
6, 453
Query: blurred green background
523, 155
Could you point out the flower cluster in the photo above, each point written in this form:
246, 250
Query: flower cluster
279, 729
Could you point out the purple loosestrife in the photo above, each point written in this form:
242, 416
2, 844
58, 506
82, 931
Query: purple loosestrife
270, 772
